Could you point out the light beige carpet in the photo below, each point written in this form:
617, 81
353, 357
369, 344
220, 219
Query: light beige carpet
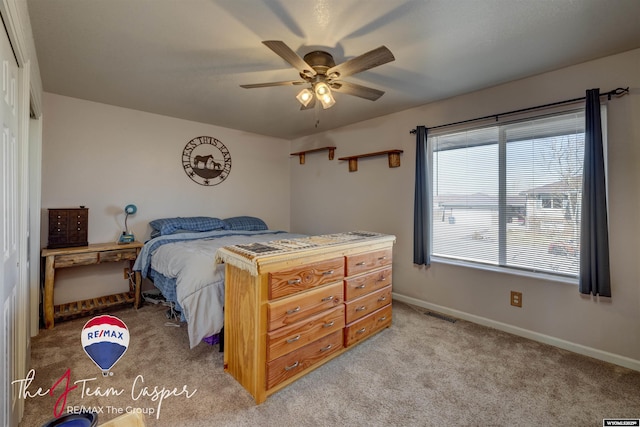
423, 371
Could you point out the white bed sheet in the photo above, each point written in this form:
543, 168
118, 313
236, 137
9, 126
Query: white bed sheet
199, 280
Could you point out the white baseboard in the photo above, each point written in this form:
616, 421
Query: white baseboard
546, 339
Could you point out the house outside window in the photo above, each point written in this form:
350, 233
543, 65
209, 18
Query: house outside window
509, 195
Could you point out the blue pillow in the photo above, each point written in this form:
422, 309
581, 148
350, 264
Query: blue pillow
156, 233
193, 223
246, 223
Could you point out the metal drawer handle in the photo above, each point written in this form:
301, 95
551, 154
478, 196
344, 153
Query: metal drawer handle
361, 308
294, 281
382, 299
361, 331
329, 298
326, 273
381, 258
382, 279
360, 263
295, 310
294, 339
328, 325
295, 365
361, 286
323, 349
382, 319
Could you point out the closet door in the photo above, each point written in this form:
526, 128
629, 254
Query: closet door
9, 238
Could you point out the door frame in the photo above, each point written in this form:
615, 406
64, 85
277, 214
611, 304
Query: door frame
15, 16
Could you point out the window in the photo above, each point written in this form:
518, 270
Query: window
552, 201
509, 195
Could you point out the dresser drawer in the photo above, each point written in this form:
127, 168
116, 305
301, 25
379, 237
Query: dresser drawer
366, 304
78, 223
360, 263
119, 255
58, 240
287, 282
86, 258
365, 283
297, 361
367, 326
289, 338
58, 222
287, 311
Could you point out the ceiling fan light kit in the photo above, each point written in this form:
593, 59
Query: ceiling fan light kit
327, 100
324, 94
320, 72
305, 97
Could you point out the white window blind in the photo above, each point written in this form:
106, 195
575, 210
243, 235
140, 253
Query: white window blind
510, 194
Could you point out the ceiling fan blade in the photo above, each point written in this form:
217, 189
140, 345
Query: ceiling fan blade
366, 61
356, 90
286, 53
287, 83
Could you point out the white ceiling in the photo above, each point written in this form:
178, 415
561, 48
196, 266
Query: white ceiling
187, 58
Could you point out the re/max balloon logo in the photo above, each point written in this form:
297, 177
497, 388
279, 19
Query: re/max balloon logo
105, 339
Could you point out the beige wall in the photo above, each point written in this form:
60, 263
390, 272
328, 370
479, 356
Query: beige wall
106, 157
325, 197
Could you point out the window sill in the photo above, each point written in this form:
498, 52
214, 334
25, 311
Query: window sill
503, 270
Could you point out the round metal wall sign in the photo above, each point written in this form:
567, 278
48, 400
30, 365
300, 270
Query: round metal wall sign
206, 160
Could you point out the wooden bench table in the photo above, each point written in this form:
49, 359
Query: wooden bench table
97, 253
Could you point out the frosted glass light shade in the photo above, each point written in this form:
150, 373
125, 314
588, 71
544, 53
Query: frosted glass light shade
305, 97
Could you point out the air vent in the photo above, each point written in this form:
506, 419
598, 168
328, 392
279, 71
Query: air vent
441, 316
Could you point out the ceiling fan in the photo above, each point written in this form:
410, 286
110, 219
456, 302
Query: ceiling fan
320, 73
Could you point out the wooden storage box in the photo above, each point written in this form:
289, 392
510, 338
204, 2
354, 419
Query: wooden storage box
68, 227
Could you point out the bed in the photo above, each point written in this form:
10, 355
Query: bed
180, 261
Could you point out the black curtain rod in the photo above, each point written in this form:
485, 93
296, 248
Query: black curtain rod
616, 92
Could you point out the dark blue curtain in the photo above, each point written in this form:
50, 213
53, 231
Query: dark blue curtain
422, 201
594, 235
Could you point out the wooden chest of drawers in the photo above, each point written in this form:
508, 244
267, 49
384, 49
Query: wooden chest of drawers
290, 313
68, 227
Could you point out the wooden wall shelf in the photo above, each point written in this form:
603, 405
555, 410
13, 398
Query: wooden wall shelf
394, 158
313, 150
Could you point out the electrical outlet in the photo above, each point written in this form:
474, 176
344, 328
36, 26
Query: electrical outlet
126, 273
516, 299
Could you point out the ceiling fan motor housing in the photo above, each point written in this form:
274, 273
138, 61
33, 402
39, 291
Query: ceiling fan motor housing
320, 61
